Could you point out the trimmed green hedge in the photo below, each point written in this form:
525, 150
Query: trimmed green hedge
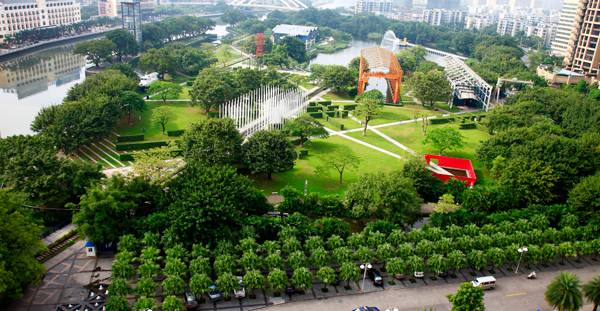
350, 107
140, 145
130, 138
175, 133
316, 115
441, 120
344, 113
325, 102
331, 114
313, 109
125, 157
312, 104
333, 107
468, 126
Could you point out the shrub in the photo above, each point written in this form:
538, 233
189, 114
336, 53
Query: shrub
316, 115
175, 133
344, 113
333, 108
140, 146
213, 114
441, 120
331, 114
313, 109
350, 107
325, 103
468, 126
125, 157
303, 153
130, 138
312, 104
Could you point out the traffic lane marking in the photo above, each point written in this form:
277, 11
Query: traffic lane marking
517, 294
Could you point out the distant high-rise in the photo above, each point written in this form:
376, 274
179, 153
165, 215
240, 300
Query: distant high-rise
131, 17
582, 53
436, 4
373, 6
565, 27
437, 17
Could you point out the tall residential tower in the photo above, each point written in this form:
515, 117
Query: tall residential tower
582, 54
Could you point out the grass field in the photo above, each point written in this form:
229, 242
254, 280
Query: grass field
407, 112
334, 123
185, 94
225, 53
182, 115
337, 96
411, 135
304, 169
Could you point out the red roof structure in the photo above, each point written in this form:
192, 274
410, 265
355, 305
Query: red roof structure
445, 168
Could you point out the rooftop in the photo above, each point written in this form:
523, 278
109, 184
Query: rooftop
293, 30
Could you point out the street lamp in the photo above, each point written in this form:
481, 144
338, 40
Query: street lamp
521, 250
365, 267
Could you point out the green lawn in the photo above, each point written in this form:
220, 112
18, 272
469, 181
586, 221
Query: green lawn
304, 169
337, 96
406, 112
378, 141
185, 94
225, 53
182, 115
334, 123
445, 106
411, 135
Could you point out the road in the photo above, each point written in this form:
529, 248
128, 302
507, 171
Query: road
513, 293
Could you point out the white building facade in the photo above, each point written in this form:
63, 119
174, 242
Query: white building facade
17, 16
565, 27
381, 7
438, 17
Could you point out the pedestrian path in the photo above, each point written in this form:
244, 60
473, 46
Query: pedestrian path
58, 234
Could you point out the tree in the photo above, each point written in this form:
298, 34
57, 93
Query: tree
161, 61
428, 186
305, 127
119, 287
117, 303
529, 180
250, 261
302, 278
212, 88
411, 58
278, 280
564, 292
173, 285
161, 116
591, 290
444, 138
96, 50
367, 109
210, 203
200, 265
124, 42
327, 276
477, 259
467, 298
268, 152
437, 263
172, 303
446, 204
296, 259
224, 263
227, 283
165, 89
337, 78
130, 102
294, 48
144, 303
391, 196
430, 87
349, 272
396, 267
339, 160
585, 196
19, 243
213, 141
146, 286
253, 280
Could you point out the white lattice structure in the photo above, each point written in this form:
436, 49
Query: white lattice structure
265, 108
465, 83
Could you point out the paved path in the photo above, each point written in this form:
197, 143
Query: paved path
513, 293
56, 235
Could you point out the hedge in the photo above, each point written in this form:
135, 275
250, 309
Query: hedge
325, 103
344, 113
140, 145
313, 109
213, 114
333, 107
441, 120
125, 157
350, 107
331, 114
312, 104
467, 126
130, 138
303, 153
316, 115
175, 133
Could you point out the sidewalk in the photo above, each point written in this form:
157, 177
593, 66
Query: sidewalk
56, 235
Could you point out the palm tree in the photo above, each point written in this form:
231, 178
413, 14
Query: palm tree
591, 290
564, 292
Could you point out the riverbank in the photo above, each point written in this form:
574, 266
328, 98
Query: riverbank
9, 54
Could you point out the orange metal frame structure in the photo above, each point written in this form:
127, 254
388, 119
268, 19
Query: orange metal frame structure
377, 62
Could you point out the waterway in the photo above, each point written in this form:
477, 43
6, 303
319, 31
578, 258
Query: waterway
41, 79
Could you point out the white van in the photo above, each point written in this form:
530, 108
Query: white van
485, 282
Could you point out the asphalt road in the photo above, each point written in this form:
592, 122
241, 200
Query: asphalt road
513, 293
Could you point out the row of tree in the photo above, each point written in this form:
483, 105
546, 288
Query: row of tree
159, 33
176, 58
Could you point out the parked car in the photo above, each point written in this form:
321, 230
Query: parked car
190, 301
214, 294
485, 282
375, 276
240, 292
366, 309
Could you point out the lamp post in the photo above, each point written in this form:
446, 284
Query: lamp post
521, 250
365, 267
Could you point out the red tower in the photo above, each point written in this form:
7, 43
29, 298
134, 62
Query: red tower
260, 44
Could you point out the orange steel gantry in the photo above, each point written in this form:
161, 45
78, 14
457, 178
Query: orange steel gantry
377, 62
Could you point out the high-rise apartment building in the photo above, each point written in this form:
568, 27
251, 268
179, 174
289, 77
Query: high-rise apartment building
582, 54
436, 4
112, 8
21, 15
437, 17
373, 6
565, 27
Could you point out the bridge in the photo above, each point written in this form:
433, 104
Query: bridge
286, 5
466, 84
